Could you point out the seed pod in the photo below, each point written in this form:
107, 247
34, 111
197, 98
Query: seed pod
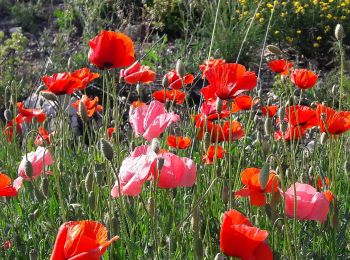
264, 176
8, 115
28, 168
49, 96
339, 32
180, 68
274, 49
89, 181
82, 112
323, 138
165, 82
224, 194
195, 220
107, 149
155, 145
44, 186
92, 201
219, 105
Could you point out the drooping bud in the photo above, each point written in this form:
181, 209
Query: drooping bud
274, 49
218, 105
165, 82
264, 176
323, 138
180, 68
28, 168
44, 186
160, 164
89, 181
82, 112
155, 145
339, 32
8, 115
224, 194
49, 96
107, 149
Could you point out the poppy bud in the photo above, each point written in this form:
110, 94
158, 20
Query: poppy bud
180, 68
264, 176
28, 168
265, 146
323, 138
310, 172
207, 140
33, 254
198, 248
165, 82
268, 126
155, 145
39, 89
89, 181
8, 115
49, 96
346, 166
99, 177
160, 164
45, 186
339, 32
219, 257
107, 149
218, 105
195, 220
334, 89
274, 49
224, 194
92, 201
82, 112
151, 207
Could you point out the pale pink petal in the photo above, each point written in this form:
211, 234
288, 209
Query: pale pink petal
320, 209
136, 119
134, 171
158, 126
189, 177
17, 183
154, 109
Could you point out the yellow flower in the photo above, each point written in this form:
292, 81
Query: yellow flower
298, 31
277, 32
316, 45
318, 38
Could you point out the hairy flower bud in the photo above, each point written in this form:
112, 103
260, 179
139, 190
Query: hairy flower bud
274, 49
339, 32
89, 181
165, 82
107, 149
28, 168
218, 105
8, 115
49, 96
180, 68
82, 112
155, 145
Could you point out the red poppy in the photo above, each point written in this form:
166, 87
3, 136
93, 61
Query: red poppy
208, 64
269, 111
138, 103
303, 78
110, 131
331, 121
213, 151
137, 73
175, 81
9, 128
304, 116
253, 189
173, 95
292, 133
81, 240
280, 66
208, 110
29, 114
6, 189
85, 76
91, 105
179, 142
243, 102
43, 135
229, 80
219, 132
111, 50
239, 238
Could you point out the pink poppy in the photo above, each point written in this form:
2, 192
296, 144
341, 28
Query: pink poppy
151, 120
310, 204
140, 167
40, 158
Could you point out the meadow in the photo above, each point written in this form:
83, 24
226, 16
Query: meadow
223, 135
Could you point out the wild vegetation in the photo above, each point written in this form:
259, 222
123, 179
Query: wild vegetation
174, 129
